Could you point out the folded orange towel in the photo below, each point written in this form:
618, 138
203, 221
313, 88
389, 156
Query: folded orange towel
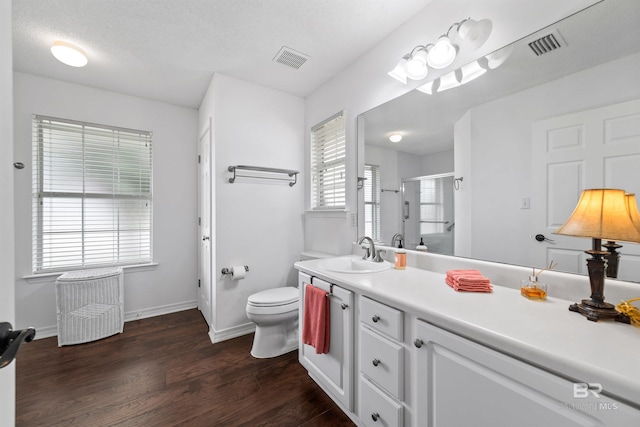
316, 322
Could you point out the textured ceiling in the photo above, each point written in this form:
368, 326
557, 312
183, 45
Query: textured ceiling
168, 50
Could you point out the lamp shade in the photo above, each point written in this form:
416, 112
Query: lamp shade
69, 54
601, 214
632, 207
475, 33
442, 53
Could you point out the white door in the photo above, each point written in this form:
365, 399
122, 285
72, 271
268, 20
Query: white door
597, 148
7, 237
204, 274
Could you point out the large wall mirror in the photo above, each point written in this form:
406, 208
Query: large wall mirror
497, 136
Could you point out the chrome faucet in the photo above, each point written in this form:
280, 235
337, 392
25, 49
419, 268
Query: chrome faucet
396, 237
370, 254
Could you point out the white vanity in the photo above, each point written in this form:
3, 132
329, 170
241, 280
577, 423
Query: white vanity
410, 351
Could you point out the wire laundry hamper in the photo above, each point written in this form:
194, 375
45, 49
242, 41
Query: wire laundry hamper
90, 305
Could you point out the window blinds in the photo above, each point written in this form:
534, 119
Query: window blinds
328, 151
431, 206
372, 201
92, 195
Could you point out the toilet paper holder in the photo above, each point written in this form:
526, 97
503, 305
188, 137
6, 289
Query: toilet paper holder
226, 270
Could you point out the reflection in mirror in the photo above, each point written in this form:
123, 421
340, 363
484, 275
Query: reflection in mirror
488, 132
428, 213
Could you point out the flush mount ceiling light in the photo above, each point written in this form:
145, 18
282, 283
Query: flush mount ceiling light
395, 137
468, 35
69, 54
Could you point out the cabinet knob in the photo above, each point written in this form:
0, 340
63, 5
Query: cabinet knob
376, 362
418, 342
375, 318
375, 416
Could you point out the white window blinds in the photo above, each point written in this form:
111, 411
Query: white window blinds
431, 206
372, 201
92, 190
328, 150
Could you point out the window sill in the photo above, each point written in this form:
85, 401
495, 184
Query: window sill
48, 277
328, 213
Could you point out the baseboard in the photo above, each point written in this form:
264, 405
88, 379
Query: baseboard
234, 332
159, 311
52, 331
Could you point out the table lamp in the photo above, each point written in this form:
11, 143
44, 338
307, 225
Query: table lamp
601, 214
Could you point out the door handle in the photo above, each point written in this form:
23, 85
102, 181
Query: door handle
542, 238
10, 342
205, 238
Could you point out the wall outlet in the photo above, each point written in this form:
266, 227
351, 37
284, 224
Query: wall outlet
525, 203
354, 219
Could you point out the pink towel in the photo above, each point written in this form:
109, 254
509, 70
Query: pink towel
315, 326
468, 281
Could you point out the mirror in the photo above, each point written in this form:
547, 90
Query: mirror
481, 133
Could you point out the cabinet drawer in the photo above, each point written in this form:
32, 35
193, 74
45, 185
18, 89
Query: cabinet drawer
377, 409
382, 318
382, 361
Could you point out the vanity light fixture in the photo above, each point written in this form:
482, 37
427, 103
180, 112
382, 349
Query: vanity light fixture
395, 137
69, 54
601, 214
469, 35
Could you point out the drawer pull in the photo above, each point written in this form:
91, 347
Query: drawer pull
375, 318
376, 362
344, 306
418, 342
375, 416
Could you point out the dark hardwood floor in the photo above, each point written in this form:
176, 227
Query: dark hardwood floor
164, 371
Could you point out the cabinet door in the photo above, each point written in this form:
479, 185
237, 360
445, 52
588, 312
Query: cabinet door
333, 371
463, 383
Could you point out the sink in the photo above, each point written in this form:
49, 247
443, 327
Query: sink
353, 264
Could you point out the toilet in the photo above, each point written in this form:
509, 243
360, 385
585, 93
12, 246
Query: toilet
275, 313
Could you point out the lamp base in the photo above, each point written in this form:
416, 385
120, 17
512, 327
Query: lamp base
595, 311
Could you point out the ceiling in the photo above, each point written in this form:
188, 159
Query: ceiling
168, 50
603, 32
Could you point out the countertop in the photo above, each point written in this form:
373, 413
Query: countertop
542, 333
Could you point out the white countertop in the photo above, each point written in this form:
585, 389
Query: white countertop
543, 333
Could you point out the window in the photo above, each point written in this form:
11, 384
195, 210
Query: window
372, 201
91, 195
431, 206
328, 164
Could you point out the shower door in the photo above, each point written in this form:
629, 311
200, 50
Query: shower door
428, 212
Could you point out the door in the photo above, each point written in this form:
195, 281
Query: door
205, 302
7, 237
462, 383
332, 371
597, 148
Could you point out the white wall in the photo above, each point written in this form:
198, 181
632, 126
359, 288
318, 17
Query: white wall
499, 157
171, 286
365, 84
257, 222
7, 268
437, 163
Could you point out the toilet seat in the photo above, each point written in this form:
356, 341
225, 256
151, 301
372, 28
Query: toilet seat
275, 297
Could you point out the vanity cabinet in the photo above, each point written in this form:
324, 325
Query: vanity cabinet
460, 382
381, 362
332, 371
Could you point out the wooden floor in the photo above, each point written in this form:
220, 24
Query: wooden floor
164, 371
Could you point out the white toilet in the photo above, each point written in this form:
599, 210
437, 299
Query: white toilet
275, 313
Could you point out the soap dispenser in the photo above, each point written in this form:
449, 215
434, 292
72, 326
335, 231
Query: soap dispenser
401, 258
421, 247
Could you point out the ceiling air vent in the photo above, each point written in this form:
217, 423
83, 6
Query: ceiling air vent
546, 44
290, 57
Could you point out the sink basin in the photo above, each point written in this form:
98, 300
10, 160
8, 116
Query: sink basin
353, 264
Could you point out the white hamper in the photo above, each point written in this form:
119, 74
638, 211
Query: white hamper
90, 305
